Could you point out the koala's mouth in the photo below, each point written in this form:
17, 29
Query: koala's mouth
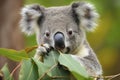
65, 50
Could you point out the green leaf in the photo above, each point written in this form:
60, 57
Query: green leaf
32, 69
28, 70
6, 73
13, 54
42, 68
61, 73
50, 68
73, 66
51, 60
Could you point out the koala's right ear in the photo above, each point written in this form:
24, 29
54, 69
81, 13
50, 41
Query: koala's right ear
30, 14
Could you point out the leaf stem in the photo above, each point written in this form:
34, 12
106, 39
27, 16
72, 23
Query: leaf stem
1, 74
47, 71
30, 49
15, 69
107, 77
112, 76
59, 77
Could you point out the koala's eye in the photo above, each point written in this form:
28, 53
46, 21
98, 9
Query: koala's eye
47, 34
70, 32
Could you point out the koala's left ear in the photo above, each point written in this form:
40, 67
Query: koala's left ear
86, 15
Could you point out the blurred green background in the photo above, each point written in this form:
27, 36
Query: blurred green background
105, 40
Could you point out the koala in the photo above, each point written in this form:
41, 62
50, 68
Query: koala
63, 28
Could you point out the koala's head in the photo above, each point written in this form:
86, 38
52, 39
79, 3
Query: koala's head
61, 27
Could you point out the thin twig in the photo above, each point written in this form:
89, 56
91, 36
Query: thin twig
1, 73
59, 77
30, 49
107, 77
47, 71
112, 76
11, 74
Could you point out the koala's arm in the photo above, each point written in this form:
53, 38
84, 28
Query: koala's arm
88, 59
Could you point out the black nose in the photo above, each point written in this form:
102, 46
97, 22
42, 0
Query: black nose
59, 40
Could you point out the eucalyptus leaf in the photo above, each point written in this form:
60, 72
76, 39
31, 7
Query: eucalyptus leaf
6, 73
28, 71
50, 68
13, 54
53, 67
73, 66
42, 68
52, 60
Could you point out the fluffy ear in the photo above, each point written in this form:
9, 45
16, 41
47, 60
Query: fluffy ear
30, 14
86, 15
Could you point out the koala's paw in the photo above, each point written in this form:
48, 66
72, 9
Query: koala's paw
42, 50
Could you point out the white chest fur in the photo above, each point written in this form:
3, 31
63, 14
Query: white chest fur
83, 51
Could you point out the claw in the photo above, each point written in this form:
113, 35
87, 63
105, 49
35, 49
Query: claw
47, 47
43, 50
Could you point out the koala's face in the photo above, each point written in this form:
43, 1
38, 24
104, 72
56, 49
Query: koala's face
59, 29
63, 27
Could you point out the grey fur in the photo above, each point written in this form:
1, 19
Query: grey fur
78, 18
